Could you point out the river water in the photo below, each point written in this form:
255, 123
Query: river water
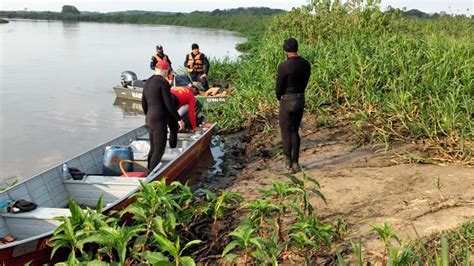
56, 79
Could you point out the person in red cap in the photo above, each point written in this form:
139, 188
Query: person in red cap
160, 113
197, 65
292, 79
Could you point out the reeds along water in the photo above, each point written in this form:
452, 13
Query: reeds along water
403, 78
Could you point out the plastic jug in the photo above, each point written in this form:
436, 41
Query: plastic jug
112, 157
66, 174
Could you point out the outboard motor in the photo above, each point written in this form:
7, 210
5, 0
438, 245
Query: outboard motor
127, 78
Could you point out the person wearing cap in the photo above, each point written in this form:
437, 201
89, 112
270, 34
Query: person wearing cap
160, 55
160, 113
291, 82
198, 66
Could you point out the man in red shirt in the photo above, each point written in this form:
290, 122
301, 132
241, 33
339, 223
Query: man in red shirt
185, 96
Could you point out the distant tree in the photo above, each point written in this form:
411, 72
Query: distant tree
416, 13
67, 9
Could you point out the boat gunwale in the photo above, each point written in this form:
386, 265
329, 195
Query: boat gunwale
148, 179
119, 89
38, 175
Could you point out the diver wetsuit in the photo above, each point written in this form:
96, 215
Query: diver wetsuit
160, 112
292, 79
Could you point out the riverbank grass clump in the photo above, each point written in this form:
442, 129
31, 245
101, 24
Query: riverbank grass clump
395, 78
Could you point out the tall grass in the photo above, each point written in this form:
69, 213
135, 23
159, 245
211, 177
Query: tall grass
398, 78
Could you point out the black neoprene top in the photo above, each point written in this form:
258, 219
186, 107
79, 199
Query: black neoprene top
157, 103
292, 76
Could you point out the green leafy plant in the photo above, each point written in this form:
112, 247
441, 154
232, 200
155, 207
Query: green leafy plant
357, 249
308, 234
114, 239
303, 185
280, 192
243, 239
74, 229
8, 184
260, 209
385, 233
221, 206
175, 250
437, 185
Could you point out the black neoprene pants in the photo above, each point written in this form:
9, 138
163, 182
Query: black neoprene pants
291, 113
158, 136
195, 76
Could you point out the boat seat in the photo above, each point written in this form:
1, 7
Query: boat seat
24, 225
42, 213
103, 180
87, 191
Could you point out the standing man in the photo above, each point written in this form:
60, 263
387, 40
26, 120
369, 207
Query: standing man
292, 79
160, 55
198, 66
160, 113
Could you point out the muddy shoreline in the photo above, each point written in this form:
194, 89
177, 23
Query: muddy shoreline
363, 184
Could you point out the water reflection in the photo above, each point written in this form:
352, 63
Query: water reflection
209, 165
129, 107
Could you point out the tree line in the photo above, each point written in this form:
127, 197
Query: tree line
239, 19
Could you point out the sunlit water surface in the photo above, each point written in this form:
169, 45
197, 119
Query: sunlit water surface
56, 79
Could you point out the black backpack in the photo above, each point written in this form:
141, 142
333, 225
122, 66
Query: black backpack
21, 205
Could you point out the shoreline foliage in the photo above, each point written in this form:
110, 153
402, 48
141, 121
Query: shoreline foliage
395, 78
169, 224
248, 21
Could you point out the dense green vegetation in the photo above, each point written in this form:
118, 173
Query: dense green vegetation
245, 20
393, 77
171, 225
3, 21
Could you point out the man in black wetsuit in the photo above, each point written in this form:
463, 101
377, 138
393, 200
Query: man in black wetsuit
160, 113
292, 79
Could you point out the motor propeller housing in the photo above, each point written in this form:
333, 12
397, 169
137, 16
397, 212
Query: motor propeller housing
127, 78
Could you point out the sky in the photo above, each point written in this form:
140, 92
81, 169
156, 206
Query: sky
429, 6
